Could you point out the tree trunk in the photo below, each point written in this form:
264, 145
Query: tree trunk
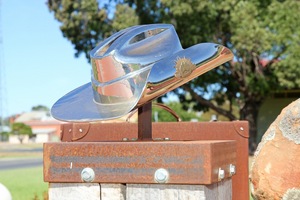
250, 113
21, 138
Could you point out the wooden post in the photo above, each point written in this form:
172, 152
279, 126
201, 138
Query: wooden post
94, 191
73, 191
216, 191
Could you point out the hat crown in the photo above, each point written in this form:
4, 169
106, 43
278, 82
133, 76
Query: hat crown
137, 46
122, 62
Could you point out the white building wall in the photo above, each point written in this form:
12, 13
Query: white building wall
13, 139
41, 138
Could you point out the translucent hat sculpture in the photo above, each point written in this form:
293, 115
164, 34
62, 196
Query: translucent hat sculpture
133, 67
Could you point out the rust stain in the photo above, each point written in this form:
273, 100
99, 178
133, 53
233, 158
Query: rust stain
119, 162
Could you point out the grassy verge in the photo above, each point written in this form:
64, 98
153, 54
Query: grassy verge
8, 155
9, 150
25, 184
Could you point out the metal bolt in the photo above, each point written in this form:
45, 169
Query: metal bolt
167, 139
161, 175
87, 174
221, 174
125, 139
80, 130
241, 128
232, 169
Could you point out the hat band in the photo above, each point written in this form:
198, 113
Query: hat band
122, 89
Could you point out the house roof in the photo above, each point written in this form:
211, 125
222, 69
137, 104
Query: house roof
35, 116
43, 131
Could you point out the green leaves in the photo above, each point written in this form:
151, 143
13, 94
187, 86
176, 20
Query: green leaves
82, 22
248, 33
21, 129
124, 17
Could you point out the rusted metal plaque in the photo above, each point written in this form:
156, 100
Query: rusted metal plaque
190, 162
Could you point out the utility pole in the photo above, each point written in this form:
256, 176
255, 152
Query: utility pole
3, 106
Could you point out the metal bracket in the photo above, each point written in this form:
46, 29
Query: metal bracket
145, 122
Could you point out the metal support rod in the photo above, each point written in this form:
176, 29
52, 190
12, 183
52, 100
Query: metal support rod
145, 122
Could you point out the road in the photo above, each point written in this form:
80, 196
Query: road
20, 163
20, 156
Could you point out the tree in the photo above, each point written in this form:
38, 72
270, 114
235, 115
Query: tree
21, 129
255, 30
84, 23
40, 107
162, 115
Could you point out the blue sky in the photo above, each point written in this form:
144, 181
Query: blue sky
39, 62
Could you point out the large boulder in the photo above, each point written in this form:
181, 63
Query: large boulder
275, 170
4, 193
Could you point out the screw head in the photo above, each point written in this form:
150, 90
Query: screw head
241, 128
87, 174
232, 169
221, 174
161, 175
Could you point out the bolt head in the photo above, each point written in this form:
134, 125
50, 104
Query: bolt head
221, 174
87, 174
161, 175
232, 169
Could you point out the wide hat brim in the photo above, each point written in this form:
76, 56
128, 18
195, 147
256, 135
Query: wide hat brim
79, 105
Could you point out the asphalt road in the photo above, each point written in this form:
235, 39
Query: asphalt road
20, 163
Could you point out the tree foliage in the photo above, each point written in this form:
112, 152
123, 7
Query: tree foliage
162, 115
264, 36
85, 23
21, 129
40, 107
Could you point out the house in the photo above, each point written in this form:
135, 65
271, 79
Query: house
3, 132
44, 127
272, 107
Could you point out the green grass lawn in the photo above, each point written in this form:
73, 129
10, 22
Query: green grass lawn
25, 184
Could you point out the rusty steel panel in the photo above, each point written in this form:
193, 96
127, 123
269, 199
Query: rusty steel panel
235, 130
190, 162
93, 132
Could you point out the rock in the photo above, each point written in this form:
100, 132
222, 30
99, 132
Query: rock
275, 170
4, 193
